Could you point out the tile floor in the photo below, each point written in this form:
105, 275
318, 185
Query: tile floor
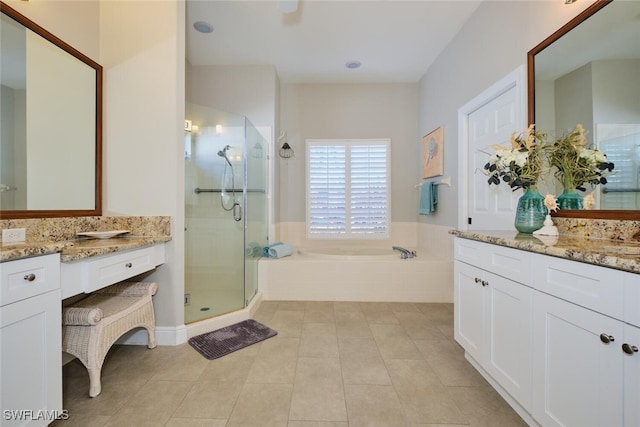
331, 364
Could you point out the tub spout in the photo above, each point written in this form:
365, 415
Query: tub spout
404, 253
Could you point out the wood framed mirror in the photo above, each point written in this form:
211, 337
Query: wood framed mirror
604, 32
51, 139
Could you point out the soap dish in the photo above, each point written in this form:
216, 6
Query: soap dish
102, 234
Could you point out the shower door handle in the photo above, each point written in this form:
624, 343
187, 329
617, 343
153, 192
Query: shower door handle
237, 212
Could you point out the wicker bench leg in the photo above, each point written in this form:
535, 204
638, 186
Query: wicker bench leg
95, 387
151, 330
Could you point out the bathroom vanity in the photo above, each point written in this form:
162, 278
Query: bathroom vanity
553, 324
34, 279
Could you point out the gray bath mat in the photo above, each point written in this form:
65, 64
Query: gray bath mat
213, 345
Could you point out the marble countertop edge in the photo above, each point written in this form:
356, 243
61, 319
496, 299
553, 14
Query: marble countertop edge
615, 254
77, 249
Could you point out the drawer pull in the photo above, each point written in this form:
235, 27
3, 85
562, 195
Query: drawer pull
629, 349
128, 265
30, 277
606, 338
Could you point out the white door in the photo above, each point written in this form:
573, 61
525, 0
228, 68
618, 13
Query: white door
489, 119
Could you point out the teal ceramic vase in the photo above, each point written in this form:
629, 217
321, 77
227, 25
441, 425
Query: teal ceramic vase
570, 199
531, 211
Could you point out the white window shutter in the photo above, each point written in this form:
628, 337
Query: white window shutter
348, 188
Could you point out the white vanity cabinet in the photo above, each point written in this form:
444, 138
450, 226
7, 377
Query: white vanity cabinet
30, 345
572, 327
578, 334
493, 313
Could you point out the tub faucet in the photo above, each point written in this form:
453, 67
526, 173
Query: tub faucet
404, 253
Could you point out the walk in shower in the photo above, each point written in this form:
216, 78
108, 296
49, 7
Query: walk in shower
225, 211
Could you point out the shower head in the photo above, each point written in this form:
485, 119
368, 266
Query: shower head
223, 153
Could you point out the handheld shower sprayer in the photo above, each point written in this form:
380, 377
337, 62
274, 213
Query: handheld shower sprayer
223, 153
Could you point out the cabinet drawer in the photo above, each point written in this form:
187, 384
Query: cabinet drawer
25, 278
597, 288
507, 262
115, 268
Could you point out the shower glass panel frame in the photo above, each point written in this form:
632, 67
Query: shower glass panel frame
225, 227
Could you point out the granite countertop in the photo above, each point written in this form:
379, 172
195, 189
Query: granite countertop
621, 255
77, 249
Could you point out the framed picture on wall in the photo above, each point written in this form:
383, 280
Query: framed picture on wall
433, 153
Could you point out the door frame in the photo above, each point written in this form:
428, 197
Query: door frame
514, 80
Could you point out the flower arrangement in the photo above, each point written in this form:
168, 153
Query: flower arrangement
521, 165
577, 165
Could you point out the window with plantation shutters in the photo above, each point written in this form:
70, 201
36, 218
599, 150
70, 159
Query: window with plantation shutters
348, 188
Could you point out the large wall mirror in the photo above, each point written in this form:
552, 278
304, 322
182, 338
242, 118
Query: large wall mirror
50, 133
588, 72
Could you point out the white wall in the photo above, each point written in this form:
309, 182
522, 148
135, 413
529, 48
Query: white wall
494, 42
336, 111
143, 162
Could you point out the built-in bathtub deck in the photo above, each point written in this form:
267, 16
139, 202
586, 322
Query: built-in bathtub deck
307, 277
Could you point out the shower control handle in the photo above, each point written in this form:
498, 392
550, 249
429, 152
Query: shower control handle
237, 212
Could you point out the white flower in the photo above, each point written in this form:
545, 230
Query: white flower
594, 157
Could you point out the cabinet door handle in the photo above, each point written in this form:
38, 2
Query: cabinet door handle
477, 280
606, 338
30, 277
485, 283
629, 349
128, 265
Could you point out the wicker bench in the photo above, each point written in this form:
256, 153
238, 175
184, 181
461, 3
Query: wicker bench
91, 326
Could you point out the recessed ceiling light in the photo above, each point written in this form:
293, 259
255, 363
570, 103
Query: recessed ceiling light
203, 27
352, 65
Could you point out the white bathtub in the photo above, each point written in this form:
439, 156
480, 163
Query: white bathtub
356, 274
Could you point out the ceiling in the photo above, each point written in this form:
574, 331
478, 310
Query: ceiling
396, 41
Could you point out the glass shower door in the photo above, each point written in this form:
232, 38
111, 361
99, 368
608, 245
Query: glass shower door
214, 237
256, 206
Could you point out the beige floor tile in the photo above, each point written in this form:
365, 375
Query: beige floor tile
317, 424
373, 405
387, 317
276, 362
229, 368
108, 402
447, 360
82, 420
394, 343
292, 305
320, 315
403, 307
153, 404
375, 307
185, 365
424, 399
196, 422
318, 393
262, 405
380, 363
209, 399
362, 363
481, 402
319, 340
346, 306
